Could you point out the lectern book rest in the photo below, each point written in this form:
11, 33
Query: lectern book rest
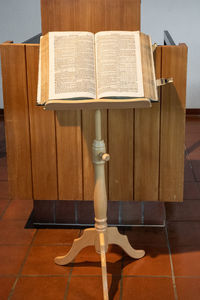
95, 70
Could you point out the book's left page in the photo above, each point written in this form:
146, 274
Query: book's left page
71, 65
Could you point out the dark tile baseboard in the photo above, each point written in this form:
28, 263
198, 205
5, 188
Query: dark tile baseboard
65, 214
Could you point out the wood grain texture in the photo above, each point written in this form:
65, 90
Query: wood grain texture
69, 155
90, 15
88, 135
174, 64
16, 120
147, 135
42, 132
94, 16
120, 139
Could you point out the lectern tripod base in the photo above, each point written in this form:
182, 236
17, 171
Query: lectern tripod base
101, 236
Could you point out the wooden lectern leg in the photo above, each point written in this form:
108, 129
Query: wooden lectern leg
114, 237
100, 236
87, 239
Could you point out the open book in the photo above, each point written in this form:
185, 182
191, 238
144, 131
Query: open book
100, 69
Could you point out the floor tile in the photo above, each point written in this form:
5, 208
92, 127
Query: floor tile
186, 261
150, 236
90, 288
11, 259
88, 262
155, 262
191, 191
184, 233
183, 211
18, 210
196, 169
192, 124
139, 288
3, 168
40, 261
3, 205
193, 146
15, 232
188, 171
188, 288
4, 194
56, 236
6, 284
40, 288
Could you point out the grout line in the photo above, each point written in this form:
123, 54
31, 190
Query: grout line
6, 207
172, 267
21, 267
68, 281
187, 276
187, 157
148, 276
70, 275
43, 275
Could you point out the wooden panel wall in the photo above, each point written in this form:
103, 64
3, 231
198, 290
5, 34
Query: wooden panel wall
90, 15
94, 16
172, 135
147, 135
16, 120
42, 133
49, 154
120, 130
69, 155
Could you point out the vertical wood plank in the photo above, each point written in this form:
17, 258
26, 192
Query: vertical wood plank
42, 129
16, 120
174, 64
122, 15
88, 133
90, 15
94, 15
69, 155
147, 130
120, 137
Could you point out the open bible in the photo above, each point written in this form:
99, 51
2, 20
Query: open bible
96, 70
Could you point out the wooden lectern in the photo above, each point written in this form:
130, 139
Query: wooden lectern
100, 236
29, 130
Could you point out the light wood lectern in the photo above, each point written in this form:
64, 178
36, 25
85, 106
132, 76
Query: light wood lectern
94, 16
100, 236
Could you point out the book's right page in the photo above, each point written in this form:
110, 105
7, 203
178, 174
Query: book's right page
118, 64
148, 69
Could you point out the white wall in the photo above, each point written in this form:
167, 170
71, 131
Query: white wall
182, 19
20, 20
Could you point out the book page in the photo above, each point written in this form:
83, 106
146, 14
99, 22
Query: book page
39, 78
118, 64
71, 65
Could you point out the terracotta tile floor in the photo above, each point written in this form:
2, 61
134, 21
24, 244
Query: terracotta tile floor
170, 269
